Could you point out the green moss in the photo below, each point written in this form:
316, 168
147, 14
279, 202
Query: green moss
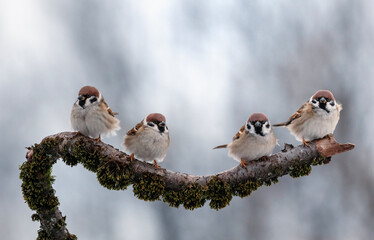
61, 223
35, 217
274, 180
88, 155
172, 198
71, 237
36, 176
148, 186
246, 188
300, 169
320, 161
193, 196
267, 182
219, 192
67, 158
43, 235
115, 175
276, 171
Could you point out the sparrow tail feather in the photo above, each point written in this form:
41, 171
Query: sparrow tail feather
221, 146
283, 124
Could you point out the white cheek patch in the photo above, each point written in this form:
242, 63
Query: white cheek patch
329, 107
266, 130
251, 130
314, 103
89, 103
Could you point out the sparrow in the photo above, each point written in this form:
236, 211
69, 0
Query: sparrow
149, 139
315, 119
91, 115
254, 140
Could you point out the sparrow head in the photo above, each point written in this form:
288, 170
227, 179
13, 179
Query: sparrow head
156, 121
323, 100
258, 124
88, 96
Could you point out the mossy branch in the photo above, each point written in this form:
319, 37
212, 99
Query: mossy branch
115, 170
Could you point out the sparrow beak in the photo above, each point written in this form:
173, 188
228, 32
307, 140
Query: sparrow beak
81, 98
322, 100
258, 124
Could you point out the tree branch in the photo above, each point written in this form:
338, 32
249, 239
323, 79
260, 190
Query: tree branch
115, 170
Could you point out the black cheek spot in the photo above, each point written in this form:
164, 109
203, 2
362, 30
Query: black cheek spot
82, 102
151, 124
314, 101
93, 100
248, 126
267, 125
332, 103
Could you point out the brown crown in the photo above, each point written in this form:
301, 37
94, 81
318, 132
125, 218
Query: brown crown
257, 117
89, 90
323, 93
155, 117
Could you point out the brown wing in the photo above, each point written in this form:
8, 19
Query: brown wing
297, 114
135, 129
237, 135
109, 110
294, 116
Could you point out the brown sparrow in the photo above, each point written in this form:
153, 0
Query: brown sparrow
148, 140
91, 115
315, 119
254, 140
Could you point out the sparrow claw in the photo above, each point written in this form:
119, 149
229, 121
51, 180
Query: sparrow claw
156, 165
243, 163
306, 143
132, 157
98, 138
329, 136
264, 158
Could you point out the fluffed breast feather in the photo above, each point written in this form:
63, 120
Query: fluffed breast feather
133, 130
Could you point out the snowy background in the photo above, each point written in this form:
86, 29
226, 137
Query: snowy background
206, 65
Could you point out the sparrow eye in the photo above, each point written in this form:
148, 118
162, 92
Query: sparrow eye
150, 124
81, 98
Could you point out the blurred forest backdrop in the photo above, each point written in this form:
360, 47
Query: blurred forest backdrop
206, 65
